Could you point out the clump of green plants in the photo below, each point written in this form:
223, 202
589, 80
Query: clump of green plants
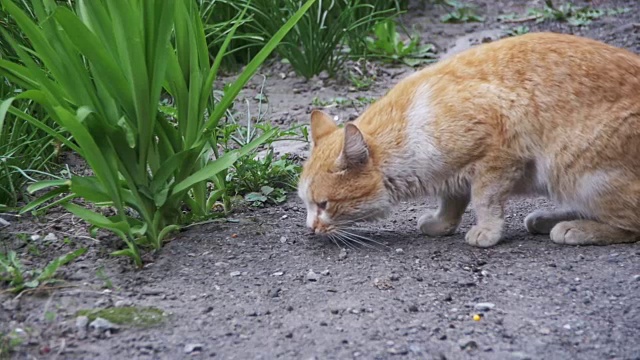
518, 30
8, 343
260, 177
14, 275
154, 172
387, 44
459, 12
26, 150
329, 34
140, 317
570, 13
359, 101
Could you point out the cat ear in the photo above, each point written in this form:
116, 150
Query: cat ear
355, 151
321, 125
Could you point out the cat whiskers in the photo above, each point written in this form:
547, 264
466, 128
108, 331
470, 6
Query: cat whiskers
349, 238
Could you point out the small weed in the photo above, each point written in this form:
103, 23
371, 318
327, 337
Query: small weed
106, 281
517, 31
18, 279
8, 343
388, 44
570, 13
266, 195
263, 180
360, 82
359, 101
50, 316
32, 249
141, 317
460, 12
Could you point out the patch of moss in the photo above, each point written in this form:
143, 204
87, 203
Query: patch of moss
142, 317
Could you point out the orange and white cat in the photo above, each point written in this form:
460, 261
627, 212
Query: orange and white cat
539, 114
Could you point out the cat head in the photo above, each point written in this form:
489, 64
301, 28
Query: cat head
341, 182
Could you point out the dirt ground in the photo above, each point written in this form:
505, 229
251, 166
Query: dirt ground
258, 287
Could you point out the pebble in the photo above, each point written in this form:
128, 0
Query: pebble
312, 276
189, 348
324, 75
399, 251
544, 331
413, 308
35, 237
485, 306
567, 326
81, 326
636, 277
467, 343
278, 273
50, 237
103, 325
343, 254
234, 273
520, 355
283, 239
4, 222
325, 272
123, 303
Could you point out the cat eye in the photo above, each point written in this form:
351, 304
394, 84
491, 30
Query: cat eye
322, 205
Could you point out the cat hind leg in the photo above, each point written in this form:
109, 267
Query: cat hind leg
445, 220
588, 232
542, 221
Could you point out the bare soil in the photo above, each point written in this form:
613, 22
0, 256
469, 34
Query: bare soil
258, 287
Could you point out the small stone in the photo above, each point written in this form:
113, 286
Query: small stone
467, 343
567, 326
636, 277
278, 273
220, 264
399, 251
50, 237
123, 303
190, 348
486, 306
325, 272
103, 325
102, 303
324, 75
289, 335
413, 308
382, 284
4, 222
35, 237
283, 239
235, 273
11, 305
312, 276
520, 355
81, 326
343, 254
275, 292
544, 331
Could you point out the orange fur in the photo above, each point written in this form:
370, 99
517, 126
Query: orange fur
539, 114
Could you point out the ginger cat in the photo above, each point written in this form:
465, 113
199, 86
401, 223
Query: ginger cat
539, 114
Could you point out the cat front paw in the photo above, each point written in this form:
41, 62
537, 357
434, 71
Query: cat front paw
431, 225
483, 236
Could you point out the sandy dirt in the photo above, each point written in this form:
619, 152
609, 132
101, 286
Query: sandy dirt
259, 287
